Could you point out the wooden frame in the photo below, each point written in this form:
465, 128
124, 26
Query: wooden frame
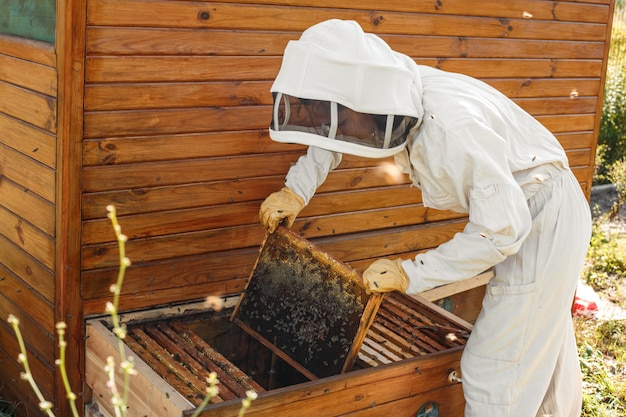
291, 279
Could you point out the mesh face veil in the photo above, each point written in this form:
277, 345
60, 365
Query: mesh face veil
346, 91
332, 126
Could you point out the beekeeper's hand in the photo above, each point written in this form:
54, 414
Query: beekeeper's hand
283, 205
385, 275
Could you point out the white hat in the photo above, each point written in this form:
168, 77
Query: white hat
337, 64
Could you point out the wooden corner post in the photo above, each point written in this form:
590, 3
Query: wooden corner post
70, 47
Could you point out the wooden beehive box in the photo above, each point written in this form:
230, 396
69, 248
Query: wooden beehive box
407, 363
304, 334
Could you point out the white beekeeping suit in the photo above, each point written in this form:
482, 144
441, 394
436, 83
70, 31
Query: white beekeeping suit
471, 150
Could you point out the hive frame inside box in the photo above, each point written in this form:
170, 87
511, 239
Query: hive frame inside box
307, 307
149, 393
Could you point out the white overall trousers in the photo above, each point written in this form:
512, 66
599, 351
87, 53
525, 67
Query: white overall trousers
521, 359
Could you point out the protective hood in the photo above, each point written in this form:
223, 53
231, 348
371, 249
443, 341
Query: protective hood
335, 74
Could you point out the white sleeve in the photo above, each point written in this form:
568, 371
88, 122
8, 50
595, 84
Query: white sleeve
499, 218
310, 171
499, 221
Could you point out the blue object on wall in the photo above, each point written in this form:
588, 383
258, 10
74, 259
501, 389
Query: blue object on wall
430, 409
32, 19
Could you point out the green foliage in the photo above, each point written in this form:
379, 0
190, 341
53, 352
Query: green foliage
612, 136
617, 175
602, 364
612, 339
606, 260
602, 344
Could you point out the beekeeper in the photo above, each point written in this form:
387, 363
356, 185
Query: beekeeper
469, 149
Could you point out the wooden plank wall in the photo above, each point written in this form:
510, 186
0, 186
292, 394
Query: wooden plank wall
177, 107
28, 96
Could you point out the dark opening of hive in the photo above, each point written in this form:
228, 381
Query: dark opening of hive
184, 350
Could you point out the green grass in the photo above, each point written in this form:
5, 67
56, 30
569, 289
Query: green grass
602, 343
606, 264
602, 347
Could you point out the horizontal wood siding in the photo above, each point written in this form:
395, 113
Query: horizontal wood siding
28, 87
177, 106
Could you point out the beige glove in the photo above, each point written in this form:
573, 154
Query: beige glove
281, 205
385, 275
